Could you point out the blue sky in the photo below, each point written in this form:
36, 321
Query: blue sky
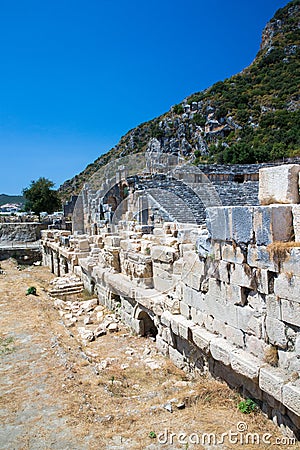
77, 75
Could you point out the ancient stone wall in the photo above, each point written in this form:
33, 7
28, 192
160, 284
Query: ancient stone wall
221, 297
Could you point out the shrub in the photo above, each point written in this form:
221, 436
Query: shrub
31, 290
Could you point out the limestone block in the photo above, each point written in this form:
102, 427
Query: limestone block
180, 326
177, 267
273, 305
259, 256
197, 316
257, 302
184, 310
163, 253
219, 327
290, 312
276, 331
234, 336
162, 280
296, 221
202, 338
83, 244
291, 396
193, 270
234, 294
244, 316
230, 223
221, 350
287, 286
242, 275
193, 298
166, 318
263, 281
245, 364
291, 265
272, 223
217, 221
223, 272
279, 184
241, 223
184, 248
271, 381
233, 254
112, 241
255, 346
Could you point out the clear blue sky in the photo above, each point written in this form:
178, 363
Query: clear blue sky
77, 75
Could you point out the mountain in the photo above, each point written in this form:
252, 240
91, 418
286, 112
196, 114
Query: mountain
4, 198
250, 117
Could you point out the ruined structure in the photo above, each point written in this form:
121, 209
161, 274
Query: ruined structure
217, 286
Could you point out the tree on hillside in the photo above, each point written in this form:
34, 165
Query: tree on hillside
40, 197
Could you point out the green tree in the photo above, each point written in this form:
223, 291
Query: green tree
40, 197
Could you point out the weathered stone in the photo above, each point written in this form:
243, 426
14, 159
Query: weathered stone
163, 253
271, 380
290, 312
85, 334
276, 332
221, 350
232, 253
263, 281
291, 396
193, 298
291, 264
193, 270
242, 275
202, 338
223, 273
272, 223
162, 280
234, 336
279, 184
259, 256
287, 286
230, 223
245, 364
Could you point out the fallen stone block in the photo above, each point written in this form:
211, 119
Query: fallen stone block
177, 358
279, 184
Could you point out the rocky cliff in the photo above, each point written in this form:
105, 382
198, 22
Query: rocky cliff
250, 117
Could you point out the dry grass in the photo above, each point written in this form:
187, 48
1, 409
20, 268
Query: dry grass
271, 355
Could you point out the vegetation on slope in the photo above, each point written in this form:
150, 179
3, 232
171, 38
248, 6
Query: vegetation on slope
250, 117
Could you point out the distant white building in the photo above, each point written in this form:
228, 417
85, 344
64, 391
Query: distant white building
10, 208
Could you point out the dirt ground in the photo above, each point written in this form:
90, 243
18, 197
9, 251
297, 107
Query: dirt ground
114, 393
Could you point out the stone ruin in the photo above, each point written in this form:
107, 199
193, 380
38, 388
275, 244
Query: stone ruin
217, 289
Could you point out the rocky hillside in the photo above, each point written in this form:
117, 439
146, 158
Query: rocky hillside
250, 117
